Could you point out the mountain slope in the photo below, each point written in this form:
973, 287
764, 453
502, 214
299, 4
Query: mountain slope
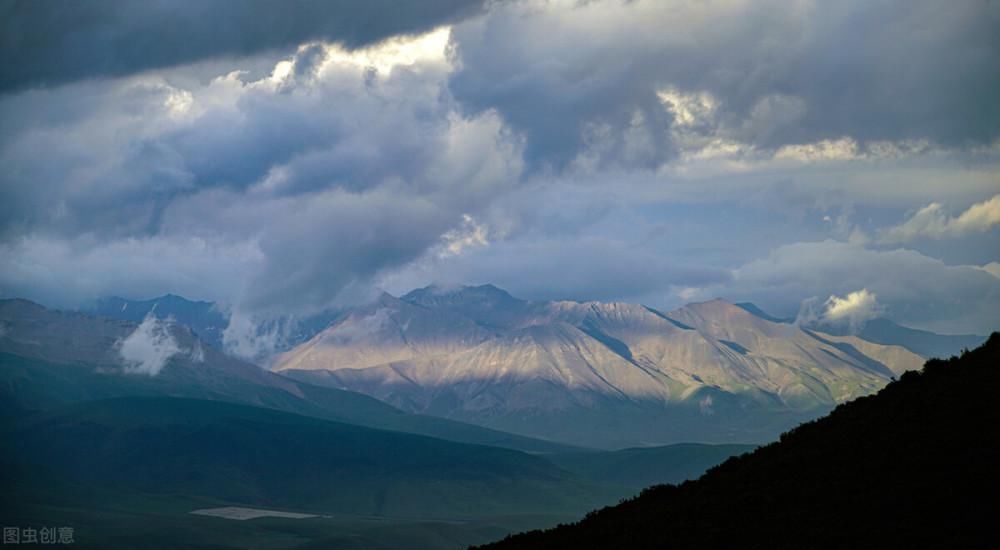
51, 358
595, 374
908, 467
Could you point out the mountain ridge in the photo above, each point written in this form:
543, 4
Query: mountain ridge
483, 356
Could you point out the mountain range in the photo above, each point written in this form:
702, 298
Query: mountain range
593, 373
596, 374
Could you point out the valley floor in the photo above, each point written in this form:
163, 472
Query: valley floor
153, 522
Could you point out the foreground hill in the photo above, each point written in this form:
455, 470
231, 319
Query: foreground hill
49, 359
913, 466
594, 374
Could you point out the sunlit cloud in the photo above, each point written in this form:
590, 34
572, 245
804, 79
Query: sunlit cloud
933, 222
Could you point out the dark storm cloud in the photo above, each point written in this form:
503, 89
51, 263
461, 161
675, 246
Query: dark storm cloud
49, 42
781, 72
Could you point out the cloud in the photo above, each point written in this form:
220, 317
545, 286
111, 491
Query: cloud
705, 406
45, 44
913, 289
471, 234
149, 347
254, 337
590, 78
852, 311
933, 223
646, 151
68, 272
857, 307
284, 193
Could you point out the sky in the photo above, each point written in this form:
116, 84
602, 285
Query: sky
830, 160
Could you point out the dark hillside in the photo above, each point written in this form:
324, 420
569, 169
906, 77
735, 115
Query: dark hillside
914, 466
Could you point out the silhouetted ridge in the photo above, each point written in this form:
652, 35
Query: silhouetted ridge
909, 467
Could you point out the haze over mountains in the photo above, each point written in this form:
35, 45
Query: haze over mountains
596, 374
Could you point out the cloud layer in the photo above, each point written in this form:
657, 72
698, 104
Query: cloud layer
660, 152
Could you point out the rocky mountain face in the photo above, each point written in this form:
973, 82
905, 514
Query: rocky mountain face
593, 373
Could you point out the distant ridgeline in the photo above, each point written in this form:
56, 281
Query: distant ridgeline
915, 466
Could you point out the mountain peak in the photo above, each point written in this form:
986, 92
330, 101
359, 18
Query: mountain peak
444, 295
721, 317
752, 308
716, 306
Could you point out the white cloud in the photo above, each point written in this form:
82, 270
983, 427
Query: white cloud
470, 234
933, 222
404, 51
255, 338
689, 109
858, 306
149, 347
825, 150
852, 310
